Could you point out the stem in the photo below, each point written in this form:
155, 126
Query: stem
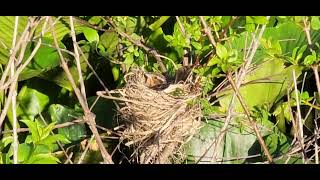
207, 30
316, 74
13, 101
253, 123
88, 117
300, 123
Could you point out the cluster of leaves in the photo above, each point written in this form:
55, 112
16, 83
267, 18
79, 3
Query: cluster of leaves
113, 45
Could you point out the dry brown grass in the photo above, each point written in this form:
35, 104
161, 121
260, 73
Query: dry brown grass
157, 121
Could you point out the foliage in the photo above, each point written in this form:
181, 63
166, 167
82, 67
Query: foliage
112, 46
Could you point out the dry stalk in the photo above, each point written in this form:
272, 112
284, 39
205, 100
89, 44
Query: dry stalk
252, 122
207, 30
13, 80
88, 117
253, 47
85, 150
13, 101
138, 43
300, 123
156, 122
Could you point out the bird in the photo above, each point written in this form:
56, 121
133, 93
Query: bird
153, 80
182, 74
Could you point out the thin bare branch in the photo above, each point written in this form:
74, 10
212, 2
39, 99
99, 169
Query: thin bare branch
207, 30
77, 58
242, 73
88, 117
85, 150
150, 50
300, 123
13, 101
252, 122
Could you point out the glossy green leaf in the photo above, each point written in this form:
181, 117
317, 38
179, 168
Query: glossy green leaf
315, 22
62, 114
91, 34
277, 144
61, 28
24, 152
236, 144
47, 130
34, 130
214, 60
222, 52
159, 23
44, 60
310, 59
115, 72
31, 102
54, 138
43, 159
109, 40
266, 84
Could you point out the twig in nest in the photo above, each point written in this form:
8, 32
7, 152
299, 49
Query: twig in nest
156, 121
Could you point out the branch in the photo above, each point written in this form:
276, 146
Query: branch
254, 45
225, 30
88, 117
138, 43
253, 123
13, 101
207, 30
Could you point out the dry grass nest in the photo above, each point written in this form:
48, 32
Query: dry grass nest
157, 121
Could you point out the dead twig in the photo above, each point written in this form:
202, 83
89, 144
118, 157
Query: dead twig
15, 143
300, 123
207, 30
88, 117
254, 46
252, 122
138, 43
85, 150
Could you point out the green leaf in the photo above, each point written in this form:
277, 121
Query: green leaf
115, 72
222, 52
47, 130
54, 138
315, 22
31, 102
43, 159
249, 26
214, 60
91, 34
300, 52
128, 59
62, 114
196, 45
5, 141
277, 144
33, 128
109, 40
229, 149
154, 26
310, 59
260, 19
268, 82
24, 152
7, 24
157, 40
45, 59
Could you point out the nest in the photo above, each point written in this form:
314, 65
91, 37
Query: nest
158, 118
